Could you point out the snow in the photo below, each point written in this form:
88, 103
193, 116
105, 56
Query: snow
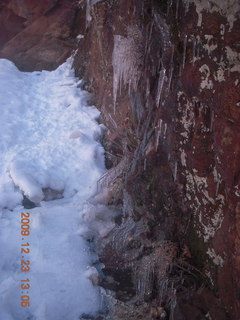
49, 150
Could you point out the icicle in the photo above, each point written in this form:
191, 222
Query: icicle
151, 29
160, 125
88, 9
143, 275
113, 121
165, 131
187, 6
184, 51
157, 140
134, 10
171, 70
163, 288
198, 47
145, 164
147, 89
169, 6
217, 187
127, 205
161, 80
159, 129
142, 10
177, 6
112, 174
173, 302
117, 76
172, 55
159, 63
89, 4
175, 171
170, 79
193, 50
129, 87
127, 59
212, 120
147, 47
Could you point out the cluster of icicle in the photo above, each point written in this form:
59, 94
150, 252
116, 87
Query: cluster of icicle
89, 4
127, 58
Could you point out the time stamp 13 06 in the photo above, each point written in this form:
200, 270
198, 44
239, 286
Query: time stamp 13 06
25, 262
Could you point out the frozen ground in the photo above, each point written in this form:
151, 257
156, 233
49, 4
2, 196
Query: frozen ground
49, 149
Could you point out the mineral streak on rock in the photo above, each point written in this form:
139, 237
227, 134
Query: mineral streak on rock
165, 76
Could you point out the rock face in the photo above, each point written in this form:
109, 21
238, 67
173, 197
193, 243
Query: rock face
165, 76
37, 35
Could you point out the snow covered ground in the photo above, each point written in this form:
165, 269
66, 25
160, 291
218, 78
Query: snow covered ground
49, 149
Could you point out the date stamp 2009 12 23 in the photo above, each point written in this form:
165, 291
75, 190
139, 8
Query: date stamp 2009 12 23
25, 262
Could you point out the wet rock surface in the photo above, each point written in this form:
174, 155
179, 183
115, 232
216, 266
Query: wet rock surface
165, 76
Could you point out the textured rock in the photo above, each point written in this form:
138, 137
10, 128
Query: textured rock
10, 25
29, 9
178, 119
38, 35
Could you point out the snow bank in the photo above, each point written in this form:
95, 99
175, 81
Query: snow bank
49, 145
26, 183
